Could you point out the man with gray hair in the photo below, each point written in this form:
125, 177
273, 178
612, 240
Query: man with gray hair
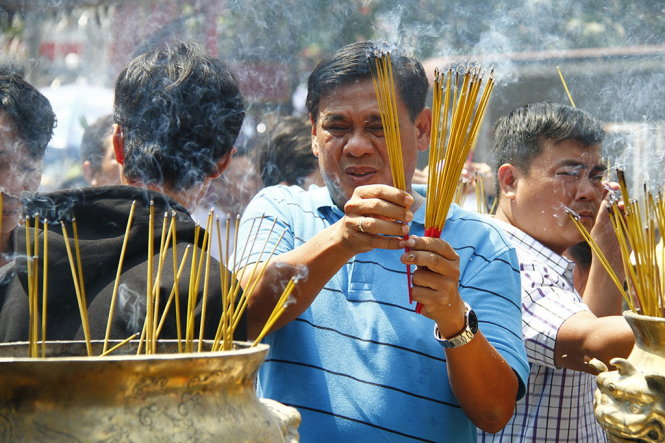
548, 162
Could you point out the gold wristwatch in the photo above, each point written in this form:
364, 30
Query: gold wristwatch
464, 337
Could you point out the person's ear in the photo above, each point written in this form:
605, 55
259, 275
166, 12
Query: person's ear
423, 124
222, 164
507, 176
315, 143
118, 140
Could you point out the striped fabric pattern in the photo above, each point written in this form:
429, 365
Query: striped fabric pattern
558, 406
360, 364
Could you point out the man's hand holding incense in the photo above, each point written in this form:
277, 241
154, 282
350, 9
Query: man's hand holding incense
481, 379
435, 282
376, 216
600, 293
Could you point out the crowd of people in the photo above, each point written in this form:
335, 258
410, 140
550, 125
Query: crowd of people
512, 308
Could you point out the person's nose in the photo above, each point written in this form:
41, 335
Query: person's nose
587, 190
358, 144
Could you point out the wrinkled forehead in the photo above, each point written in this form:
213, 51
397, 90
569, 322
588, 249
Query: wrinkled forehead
570, 153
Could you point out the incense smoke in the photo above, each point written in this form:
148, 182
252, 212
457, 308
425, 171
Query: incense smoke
611, 53
131, 307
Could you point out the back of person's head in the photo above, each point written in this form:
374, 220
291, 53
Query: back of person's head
29, 110
180, 112
95, 141
286, 154
518, 136
353, 62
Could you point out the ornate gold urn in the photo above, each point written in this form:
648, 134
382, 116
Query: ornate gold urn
630, 402
168, 396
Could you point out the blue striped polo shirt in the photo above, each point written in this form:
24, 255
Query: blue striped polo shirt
359, 364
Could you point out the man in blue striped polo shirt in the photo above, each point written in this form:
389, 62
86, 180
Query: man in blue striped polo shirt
349, 351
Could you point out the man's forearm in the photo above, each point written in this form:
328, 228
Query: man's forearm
483, 382
321, 256
601, 294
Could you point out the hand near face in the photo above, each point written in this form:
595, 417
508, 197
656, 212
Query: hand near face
377, 216
603, 232
435, 282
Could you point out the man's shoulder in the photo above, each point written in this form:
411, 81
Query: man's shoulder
463, 225
285, 197
530, 249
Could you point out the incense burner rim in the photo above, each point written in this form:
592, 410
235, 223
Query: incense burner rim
244, 348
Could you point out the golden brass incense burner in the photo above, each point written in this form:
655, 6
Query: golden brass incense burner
630, 402
124, 397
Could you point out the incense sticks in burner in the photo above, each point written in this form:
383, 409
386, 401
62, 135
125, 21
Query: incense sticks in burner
213, 304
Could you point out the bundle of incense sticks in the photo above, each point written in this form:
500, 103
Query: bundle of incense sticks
458, 108
234, 302
381, 69
638, 226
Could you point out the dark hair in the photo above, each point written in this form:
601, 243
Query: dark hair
95, 141
518, 136
30, 111
286, 155
352, 62
180, 111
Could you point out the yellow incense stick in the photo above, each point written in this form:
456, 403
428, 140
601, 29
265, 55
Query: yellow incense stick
35, 287
124, 342
599, 254
384, 86
174, 291
79, 296
149, 275
278, 310
79, 264
44, 288
204, 299
116, 283
176, 283
565, 86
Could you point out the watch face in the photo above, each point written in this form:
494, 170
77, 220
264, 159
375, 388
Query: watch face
473, 321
